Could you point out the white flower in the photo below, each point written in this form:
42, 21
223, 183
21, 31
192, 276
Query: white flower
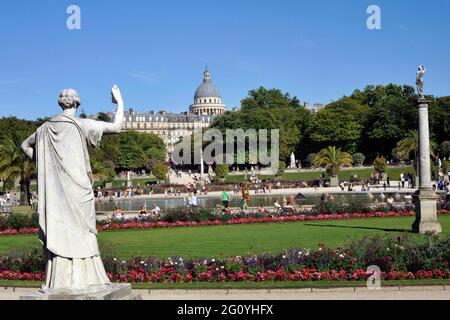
213, 260
341, 255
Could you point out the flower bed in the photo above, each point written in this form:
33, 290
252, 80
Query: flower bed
126, 225
398, 257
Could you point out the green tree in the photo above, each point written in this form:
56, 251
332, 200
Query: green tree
15, 165
160, 171
340, 123
408, 148
380, 165
222, 171
445, 149
281, 169
333, 160
101, 116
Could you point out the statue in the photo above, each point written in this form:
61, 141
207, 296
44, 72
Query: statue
67, 216
420, 75
293, 163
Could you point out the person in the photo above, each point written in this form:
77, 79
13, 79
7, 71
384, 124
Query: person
118, 214
156, 210
67, 216
225, 199
244, 204
390, 202
143, 212
408, 199
194, 200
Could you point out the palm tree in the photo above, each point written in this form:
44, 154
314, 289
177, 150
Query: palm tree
409, 147
333, 159
15, 165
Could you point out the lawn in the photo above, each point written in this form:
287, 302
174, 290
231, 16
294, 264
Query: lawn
237, 239
364, 173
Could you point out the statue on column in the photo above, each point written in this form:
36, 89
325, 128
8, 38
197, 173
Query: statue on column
419, 80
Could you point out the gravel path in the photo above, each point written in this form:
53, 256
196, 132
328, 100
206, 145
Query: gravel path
387, 293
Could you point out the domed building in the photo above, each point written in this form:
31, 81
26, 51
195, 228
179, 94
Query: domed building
207, 99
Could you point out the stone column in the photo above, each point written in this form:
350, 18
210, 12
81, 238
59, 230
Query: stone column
425, 198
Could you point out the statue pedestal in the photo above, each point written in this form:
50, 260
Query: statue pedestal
334, 181
107, 292
426, 212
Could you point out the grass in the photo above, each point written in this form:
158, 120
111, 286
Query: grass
250, 285
364, 173
237, 239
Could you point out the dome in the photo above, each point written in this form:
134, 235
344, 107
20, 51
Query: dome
207, 89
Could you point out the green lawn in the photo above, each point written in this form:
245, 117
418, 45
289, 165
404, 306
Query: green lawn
236, 240
393, 172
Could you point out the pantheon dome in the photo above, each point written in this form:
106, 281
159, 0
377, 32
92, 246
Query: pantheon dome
207, 99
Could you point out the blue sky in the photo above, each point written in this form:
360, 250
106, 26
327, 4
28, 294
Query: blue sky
156, 51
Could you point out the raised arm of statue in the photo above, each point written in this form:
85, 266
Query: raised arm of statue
116, 126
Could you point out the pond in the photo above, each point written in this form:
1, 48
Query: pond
135, 204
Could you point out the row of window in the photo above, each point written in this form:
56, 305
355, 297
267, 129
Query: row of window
200, 101
147, 125
157, 119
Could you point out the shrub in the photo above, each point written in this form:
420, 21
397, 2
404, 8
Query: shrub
160, 171
310, 158
380, 165
358, 159
281, 169
222, 170
18, 221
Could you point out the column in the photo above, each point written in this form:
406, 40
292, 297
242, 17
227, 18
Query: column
425, 198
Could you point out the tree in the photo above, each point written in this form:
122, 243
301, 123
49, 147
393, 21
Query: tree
271, 109
101, 172
380, 165
281, 169
333, 159
445, 149
340, 123
409, 147
386, 124
15, 165
83, 114
103, 117
310, 158
222, 170
160, 171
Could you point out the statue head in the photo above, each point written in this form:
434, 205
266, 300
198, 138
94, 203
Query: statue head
69, 99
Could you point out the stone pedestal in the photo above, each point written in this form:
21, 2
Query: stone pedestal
334, 182
108, 292
426, 212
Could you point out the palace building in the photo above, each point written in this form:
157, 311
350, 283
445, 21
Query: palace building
172, 127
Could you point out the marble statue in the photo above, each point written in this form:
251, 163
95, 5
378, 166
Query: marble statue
66, 200
293, 163
419, 81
